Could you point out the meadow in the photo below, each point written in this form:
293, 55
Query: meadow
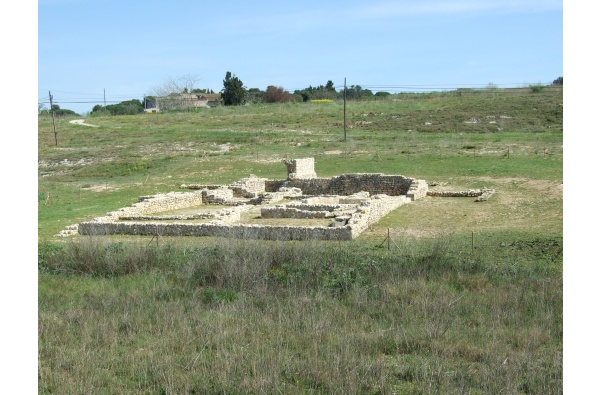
462, 297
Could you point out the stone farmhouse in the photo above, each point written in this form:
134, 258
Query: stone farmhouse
187, 100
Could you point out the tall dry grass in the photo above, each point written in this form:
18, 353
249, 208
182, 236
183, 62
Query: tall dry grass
242, 316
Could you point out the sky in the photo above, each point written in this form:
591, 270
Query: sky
83, 51
96, 52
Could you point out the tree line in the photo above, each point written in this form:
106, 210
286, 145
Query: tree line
233, 93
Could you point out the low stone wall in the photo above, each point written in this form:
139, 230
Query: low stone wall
349, 184
383, 205
292, 212
217, 196
417, 190
223, 216
158, 203
369, 212
249, 187
259, 232
468, 193
321, 200
167, 217
323, 207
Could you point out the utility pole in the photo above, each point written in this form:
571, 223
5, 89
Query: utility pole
53, 122
344, 108
105, 98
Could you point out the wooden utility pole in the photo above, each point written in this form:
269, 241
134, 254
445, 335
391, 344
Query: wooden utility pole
104, 98
344, 108
53, 121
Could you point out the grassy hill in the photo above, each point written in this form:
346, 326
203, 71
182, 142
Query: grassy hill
466, 299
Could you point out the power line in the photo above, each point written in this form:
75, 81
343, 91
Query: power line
98, 98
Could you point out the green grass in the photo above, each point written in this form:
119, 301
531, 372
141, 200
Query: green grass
247, 316
463, 287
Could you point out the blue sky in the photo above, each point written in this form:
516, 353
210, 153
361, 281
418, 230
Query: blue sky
123, 50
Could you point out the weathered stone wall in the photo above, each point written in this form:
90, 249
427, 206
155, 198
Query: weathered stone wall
217, 196
216, 230
417, 190
349, 184
158, 203
322, 207
275, 185
224, 216
300, 168
321, 200
468, 193
369, 212
249, 187
292, 212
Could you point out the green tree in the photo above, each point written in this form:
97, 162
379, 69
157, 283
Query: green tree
130, 107
63, 112
255, 95
234, 92
356, 92
382, 94
317, 92
558, 81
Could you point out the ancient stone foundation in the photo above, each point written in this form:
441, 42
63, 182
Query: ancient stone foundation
350, 202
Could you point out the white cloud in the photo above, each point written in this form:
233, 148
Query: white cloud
427, 7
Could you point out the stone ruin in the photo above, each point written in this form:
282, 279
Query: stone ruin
349, 202
300, 168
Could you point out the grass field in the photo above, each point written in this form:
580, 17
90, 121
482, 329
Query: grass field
463, 297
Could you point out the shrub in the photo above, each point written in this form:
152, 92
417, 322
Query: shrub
537, 88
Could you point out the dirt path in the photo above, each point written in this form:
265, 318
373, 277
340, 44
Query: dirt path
82, 122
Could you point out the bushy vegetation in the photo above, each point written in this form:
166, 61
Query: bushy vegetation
268, 317
129, 107
465, 298
58, 112
277, 95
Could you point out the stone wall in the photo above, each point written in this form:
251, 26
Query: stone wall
217, 196
158, 203
369, 212
467, 193
227, 215
249, 187
349, 184
260, 232
300, 168
417, 190
292, 212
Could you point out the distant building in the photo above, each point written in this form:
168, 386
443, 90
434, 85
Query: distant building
186, 101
